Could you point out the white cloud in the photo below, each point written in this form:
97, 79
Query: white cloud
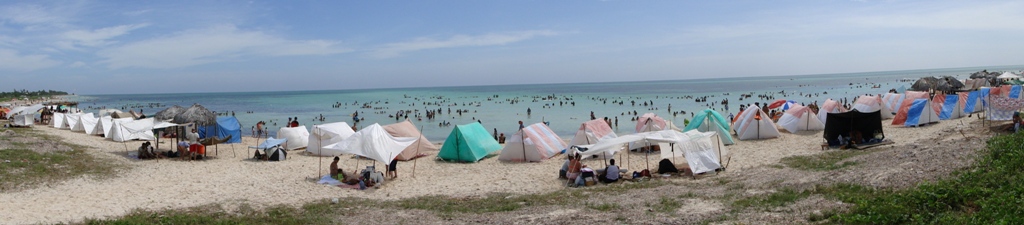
214, 44
97, 37
12, 60
137, 12
77, 64
1000, 16
29, 15
396, 49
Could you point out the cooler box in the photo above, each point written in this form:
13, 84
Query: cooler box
197, 148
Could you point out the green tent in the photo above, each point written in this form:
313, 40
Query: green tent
468, 143
710, 120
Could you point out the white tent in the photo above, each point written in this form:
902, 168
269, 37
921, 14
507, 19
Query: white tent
57, 121
799, 118
15, 111
591, 132
25, 120
533, 143
327, 134
23, 110
103, 125
754, 124
1008, 76
80, 125
829, 106
373, 142
298, 137
704, 155
871, 103
125, 129
71, 120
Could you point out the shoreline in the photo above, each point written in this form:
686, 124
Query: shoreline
234, 180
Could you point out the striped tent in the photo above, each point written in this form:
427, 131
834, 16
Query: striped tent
533, 143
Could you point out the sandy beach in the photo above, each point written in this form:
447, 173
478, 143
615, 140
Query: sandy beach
231, 178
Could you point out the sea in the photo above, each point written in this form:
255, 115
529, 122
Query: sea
564, 107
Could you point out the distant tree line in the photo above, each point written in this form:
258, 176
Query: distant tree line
19, 94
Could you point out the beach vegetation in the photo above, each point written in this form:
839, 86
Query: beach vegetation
26, 162
778, 198
30, 95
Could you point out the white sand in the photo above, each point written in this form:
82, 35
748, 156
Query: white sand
232, 180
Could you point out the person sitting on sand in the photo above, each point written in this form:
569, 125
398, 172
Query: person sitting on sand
574, 168
334, 169
501, 138
146, 151
611, 173
562, 173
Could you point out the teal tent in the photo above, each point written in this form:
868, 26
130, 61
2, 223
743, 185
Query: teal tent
710, 120
468, 143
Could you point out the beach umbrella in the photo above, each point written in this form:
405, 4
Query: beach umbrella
925, 84
169, 113
782, 103
196, 114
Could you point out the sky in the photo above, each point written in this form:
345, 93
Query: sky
125, 47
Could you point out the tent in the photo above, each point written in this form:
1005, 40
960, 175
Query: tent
272, 147
58, 120
86, 123
799, 118
869, 124
407, 129
533, 143
829, 106
226, 126
298, 137
920, 113
892, 101
591, 132
327, 134
24, 120
650, 122
702, 156
23, 110
15, 110
468, 143
972, 101
709, 120
126, 129
951, 106
871, 103
375, 143
103, 125
754, 124
71, 120
908, 100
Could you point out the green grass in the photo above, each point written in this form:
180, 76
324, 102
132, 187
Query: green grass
27, 168
667, 204
992, 192
824, 161
321, 212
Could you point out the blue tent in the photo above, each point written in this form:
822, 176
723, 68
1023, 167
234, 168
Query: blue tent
226, 126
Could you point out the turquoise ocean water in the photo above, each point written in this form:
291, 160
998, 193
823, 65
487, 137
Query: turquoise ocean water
501, 107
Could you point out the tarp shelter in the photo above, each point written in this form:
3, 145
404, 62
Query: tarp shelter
298, 137
132, 129
869, 124
829, 106
591, 132
754, 124
533, 143
951, 106
468, 143
799, 118
709, 120
920, 113
703, 156
892, 101
226, 126
908, 100
407, 129
26, 120
24, 110
327, 134
871, 103
373, 142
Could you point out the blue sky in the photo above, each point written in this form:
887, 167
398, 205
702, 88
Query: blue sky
113, 47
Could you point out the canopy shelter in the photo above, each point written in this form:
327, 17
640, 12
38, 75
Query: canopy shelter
699, 158
1008, 76
468, 143
709, 120
125, 130
868, 124
533, 143
227, 127
327, 134
375, 143
25, 110
407, 129
799, 118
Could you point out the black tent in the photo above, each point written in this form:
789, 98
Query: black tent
868, 124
